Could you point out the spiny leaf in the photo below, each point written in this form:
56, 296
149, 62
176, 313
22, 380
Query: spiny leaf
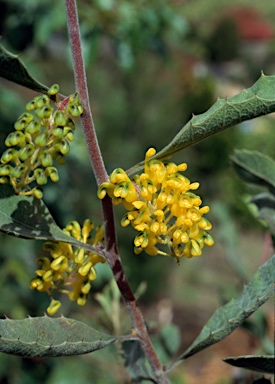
29, 218
50, 337
255, 167
252, 102
232, 314
264, 364
12, 68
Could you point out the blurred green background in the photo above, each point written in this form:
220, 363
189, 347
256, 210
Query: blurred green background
150, 65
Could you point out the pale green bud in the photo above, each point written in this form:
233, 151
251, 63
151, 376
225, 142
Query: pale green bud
23, 121
26, 152
60, 119
40, 176
18, 170
44, 112
73, 110
46, 159
41, 100
53, 90
15, 138
5, 170
41, 140
9, 155
52, 172
38, 193
33, 128
58, 132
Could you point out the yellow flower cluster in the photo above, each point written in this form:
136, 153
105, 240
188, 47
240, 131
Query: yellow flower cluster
37, 141
162, 208
68, 269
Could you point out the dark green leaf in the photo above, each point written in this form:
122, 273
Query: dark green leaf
232, 314
264, 364
252, 102
255, 167
29, 218
49, 337
136, 363
12, 68
266, 206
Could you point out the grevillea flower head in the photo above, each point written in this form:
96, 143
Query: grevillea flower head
68, 269
39, 138
162, 207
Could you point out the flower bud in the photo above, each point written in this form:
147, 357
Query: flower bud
53, 307
80, 256
60, 264
23, 121
15, 138
70, 123
5, 170
44, 112
8, 155
52, 172
65, 147
41, 140
86, 287
30, 105
81, 301
40, 101
26, 152
33, 128
73, 110
68, 132
58, 132
37, 192
18, 170
40, 176
46, 158
60, 119
4, 180
48, 275
85, 268
53, 90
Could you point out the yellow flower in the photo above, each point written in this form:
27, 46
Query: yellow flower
69, 270
162, 207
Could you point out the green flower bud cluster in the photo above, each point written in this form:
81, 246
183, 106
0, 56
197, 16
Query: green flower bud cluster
40, 138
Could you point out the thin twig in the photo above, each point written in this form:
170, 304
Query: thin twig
112, 254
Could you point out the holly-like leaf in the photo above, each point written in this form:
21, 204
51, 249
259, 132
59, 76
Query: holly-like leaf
264, 364
50, 337
232, 314
12, 68
29, 218
252, 102
255, 167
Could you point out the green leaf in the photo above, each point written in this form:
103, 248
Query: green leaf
264, 364
232, 314
136, 363
12, 68
266, 205
252, 102
29, 218
49, 337
255, 167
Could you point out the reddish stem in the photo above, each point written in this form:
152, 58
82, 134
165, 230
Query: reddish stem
101, 175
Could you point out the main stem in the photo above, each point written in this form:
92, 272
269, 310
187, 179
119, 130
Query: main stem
101, 175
